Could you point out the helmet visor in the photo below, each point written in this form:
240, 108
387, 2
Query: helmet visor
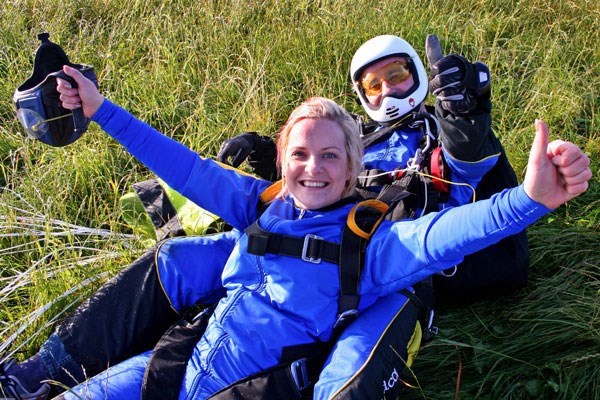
35, 125
393, 73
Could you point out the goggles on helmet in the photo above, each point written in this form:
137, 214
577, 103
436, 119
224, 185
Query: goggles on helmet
393, 73
392, 107
37, 101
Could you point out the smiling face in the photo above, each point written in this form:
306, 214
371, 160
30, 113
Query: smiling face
316, 163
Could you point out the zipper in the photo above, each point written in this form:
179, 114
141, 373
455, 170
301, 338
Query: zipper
302, 212
194, 386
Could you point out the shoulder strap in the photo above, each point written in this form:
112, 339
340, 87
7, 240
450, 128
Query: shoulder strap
271, 192
311, 248
362, 221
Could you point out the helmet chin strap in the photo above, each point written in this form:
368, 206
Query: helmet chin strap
398, 121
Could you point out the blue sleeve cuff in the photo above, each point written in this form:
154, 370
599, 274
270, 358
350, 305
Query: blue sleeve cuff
103, 113
536, 209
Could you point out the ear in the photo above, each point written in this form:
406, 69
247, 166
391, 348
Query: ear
348, 177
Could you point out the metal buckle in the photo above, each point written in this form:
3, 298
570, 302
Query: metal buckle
430, 331
307, 239
299, 373
344, 316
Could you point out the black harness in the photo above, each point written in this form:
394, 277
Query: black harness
415, 187
300, 366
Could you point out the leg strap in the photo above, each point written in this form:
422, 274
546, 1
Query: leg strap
166, 368
289, 380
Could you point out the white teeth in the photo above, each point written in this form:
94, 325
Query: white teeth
314, 184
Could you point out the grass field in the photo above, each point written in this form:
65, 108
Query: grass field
203, 71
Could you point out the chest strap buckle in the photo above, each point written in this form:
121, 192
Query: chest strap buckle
311, 246
300, 374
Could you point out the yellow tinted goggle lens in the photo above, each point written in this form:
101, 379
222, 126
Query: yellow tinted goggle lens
393, 73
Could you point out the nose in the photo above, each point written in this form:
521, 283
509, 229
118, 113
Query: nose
313, 165
386, 88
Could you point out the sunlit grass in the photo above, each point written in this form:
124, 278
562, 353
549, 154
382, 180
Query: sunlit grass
203, 71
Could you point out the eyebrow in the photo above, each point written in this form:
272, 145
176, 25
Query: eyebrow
322, 149
333, 147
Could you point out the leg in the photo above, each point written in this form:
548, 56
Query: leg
114, 323
123, 381
103, 330
190, 268
116, 318
370, 354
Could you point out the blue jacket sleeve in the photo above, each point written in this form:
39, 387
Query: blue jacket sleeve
470, 149
223, 191
403, 253
466, 176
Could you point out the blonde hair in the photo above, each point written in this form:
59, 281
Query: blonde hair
316, 108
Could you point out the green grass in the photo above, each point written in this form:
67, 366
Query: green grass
203, 71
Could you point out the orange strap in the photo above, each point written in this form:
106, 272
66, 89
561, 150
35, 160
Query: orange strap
374, 204
271, 192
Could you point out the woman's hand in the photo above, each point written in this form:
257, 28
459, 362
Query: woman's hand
86, 94
556, 172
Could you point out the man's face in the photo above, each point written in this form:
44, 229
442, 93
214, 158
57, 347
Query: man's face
316, 163
390, 76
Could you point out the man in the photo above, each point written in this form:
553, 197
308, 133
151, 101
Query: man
170, 285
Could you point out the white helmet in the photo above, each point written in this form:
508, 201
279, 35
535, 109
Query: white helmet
392, 107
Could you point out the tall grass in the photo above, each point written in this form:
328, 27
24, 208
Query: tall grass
203, 71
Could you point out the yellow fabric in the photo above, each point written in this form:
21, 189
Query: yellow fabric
194, 220
414, 344
134, 214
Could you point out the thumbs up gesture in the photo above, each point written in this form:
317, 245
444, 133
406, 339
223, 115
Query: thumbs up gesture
457, 83
556, 172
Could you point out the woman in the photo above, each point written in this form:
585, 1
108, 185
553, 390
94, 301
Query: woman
276, 302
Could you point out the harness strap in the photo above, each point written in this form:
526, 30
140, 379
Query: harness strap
349, 271
374, 177
292, 379
311, 248
372, 137
393, 193
363, 220
423, 299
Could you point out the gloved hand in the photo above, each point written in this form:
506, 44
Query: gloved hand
237, 148
262, 158
259, 150
457, 83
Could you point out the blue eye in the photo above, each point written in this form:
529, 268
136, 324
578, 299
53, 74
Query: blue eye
298, 154
329, 155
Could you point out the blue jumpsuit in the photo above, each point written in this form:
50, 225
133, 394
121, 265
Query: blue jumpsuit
275, 301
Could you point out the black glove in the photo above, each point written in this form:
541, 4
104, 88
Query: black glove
259, 150
457, 83
237, 148
262, 158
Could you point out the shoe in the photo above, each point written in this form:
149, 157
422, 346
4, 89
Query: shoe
12, 389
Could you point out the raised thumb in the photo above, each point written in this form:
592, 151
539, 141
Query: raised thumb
540, 142
433, 49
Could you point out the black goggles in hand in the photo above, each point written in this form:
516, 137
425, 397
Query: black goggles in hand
37, 101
